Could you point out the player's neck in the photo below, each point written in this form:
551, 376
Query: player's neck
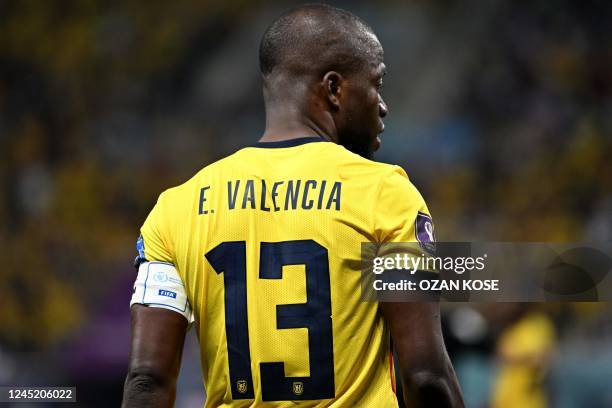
279, 135
286, 125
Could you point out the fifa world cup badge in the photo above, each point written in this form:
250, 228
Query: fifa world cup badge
424, 230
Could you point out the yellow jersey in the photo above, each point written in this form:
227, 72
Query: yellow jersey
267, 242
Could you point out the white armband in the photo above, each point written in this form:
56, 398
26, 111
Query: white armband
158, 284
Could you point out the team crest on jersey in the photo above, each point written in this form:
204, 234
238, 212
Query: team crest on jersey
298, 388
424, 230
140, 248
241, 386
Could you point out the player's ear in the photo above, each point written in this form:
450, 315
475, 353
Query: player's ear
332, 86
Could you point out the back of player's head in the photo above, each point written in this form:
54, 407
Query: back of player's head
316, 38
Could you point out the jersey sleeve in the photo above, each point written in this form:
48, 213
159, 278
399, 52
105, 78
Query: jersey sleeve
155, 243
158, 283
403, 223
401, 214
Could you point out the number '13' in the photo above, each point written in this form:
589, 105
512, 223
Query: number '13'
229, 258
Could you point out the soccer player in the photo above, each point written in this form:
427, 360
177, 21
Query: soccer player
260, 251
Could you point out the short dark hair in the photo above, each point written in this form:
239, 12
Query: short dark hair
317, 38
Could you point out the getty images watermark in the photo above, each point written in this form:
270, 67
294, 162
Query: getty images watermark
429, 266
486, 272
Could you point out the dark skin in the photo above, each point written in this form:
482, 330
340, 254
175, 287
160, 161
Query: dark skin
344, 109
347, 109
158, 336
427, 374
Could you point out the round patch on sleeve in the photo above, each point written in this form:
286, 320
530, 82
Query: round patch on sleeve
424, 231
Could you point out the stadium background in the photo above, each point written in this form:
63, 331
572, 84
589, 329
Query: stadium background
500, 111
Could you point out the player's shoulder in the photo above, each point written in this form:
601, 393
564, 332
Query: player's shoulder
387, 176
350, 161
180, 193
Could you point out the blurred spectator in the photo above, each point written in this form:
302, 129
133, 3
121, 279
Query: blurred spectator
525, 350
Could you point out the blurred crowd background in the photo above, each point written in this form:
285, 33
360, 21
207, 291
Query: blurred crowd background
500, 112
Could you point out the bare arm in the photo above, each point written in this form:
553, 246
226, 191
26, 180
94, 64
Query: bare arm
428, 377
158, 336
